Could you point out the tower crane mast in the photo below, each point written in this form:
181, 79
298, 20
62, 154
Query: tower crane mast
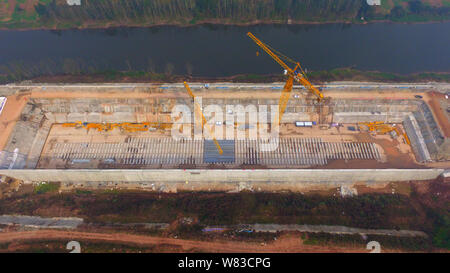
203, 119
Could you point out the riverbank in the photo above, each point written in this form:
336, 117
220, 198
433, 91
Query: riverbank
317, 77
107, 25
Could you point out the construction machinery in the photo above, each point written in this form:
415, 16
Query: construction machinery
203, 121
135, 127
371, 126
296, 74
77, 124
126, 126
382, 128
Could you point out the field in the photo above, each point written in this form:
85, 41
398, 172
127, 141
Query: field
417, 206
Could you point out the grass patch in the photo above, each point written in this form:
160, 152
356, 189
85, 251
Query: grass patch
78, 191
356, 240
59, 246
46, 187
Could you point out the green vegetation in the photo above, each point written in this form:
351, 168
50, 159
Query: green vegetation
340, 74
46, 187
366, 211
59, 246
78, 191
441, 232
427, 211
98, 13
53, 72
349, 74
418, 11
406, 243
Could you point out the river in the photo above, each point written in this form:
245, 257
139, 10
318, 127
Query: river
218, 50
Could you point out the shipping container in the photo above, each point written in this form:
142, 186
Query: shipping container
304, 123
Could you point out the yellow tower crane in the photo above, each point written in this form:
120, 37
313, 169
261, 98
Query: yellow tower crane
199, 112
296, 74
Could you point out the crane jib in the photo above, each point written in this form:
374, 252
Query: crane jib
299, 76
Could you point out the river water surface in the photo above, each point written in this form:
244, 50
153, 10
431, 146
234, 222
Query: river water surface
211, 50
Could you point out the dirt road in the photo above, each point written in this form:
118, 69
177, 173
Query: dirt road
138, 92
284, 244
439, 113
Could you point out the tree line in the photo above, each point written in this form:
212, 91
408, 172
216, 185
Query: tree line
414, 10
176, 10
185, 11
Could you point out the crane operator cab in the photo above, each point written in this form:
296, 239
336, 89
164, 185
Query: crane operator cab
296, 73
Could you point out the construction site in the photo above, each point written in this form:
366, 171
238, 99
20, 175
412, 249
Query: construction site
116, 135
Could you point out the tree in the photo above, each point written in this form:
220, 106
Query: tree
169, 69
189, 68
151, 66
416, 6
397, 12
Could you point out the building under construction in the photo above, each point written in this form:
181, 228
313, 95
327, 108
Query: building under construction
121, 135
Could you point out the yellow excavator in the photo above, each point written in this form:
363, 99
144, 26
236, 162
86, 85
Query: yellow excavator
199, 114
382, 128
296, 74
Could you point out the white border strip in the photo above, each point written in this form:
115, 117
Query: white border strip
2, 103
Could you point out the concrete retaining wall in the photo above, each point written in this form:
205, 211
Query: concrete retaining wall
298, 180
353, 117
417, 141
223, 176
